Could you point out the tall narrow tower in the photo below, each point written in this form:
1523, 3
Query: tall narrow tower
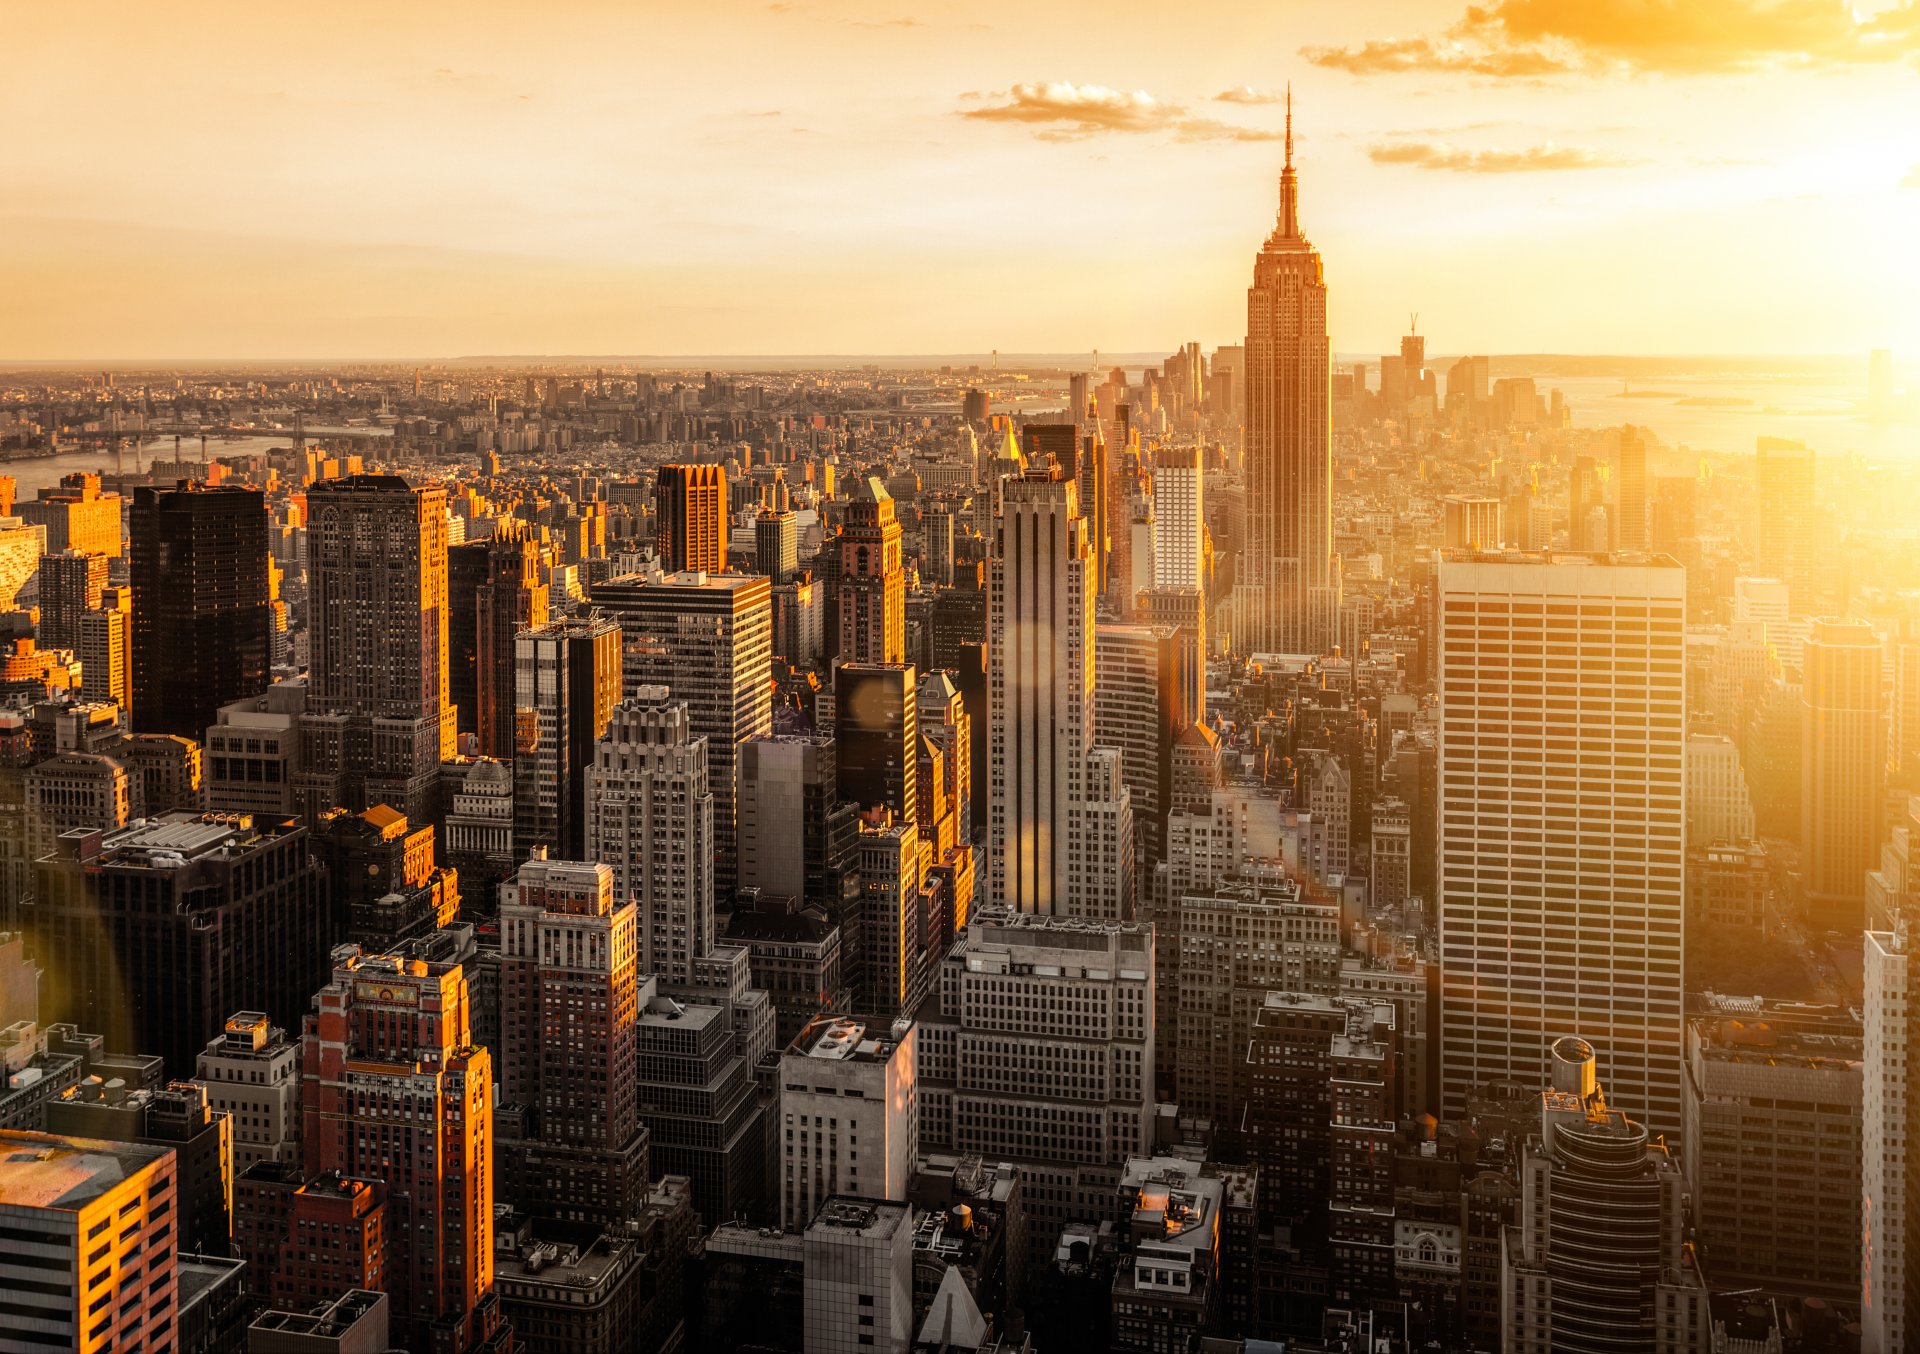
873, 606
1289, 600
1061, 820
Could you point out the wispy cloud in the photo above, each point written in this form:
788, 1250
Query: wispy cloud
1247, 94
1082, 109
1059, 110
1530, 159
1388, 56
901, 22
1912, 179
1533, 39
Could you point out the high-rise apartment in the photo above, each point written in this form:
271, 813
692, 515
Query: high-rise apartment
1562, 835
377, 723
650, 817
252, 1072
776, 544
1060, 819
394, 1089
566, 683
202, 604
1843, 768
574, 1147
70, 585
872, 584
103, 642
690, 508
1288, 599
709, 640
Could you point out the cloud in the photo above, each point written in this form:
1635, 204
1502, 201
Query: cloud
1063, 111
1431, 155
902, 22
1247, 94
1387, 56
1912, 179
1080, 110
1531, 39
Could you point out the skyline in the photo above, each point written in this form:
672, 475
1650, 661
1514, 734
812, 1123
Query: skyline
848, 178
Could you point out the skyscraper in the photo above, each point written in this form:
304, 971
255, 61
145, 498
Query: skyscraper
690, 508
1631, 505
872, 583
102, 643
1289, 596
569, 996
377, 723
202, 605
161, 932
496, 589
650, 816
1600, 1259
1843, 766
70, 586
1563, 831
876, 733
776, 543
394, 1089
1060, 816
708, 639
566, 683
1890, 1121
1179, 523
1785, 487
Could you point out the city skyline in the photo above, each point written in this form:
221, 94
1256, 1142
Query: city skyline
396, 189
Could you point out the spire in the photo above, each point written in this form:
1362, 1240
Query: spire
1289, 187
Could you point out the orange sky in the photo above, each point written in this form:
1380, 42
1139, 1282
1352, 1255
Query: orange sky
874, 176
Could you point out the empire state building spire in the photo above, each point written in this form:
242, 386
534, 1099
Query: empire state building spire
1289, 185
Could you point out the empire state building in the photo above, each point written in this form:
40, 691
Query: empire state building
1288, 599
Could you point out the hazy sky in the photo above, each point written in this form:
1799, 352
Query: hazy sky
413, 179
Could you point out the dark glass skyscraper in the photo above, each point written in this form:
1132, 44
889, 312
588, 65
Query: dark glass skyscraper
202, 605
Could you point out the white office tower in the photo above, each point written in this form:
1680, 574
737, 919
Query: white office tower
1060, 821
1562, 836
857, 1259
849, 1119
1719, 807
1885, 1231
1039, 1051
650, 816
1178, 519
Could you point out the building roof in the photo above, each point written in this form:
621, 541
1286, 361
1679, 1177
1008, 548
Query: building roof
42, 1170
